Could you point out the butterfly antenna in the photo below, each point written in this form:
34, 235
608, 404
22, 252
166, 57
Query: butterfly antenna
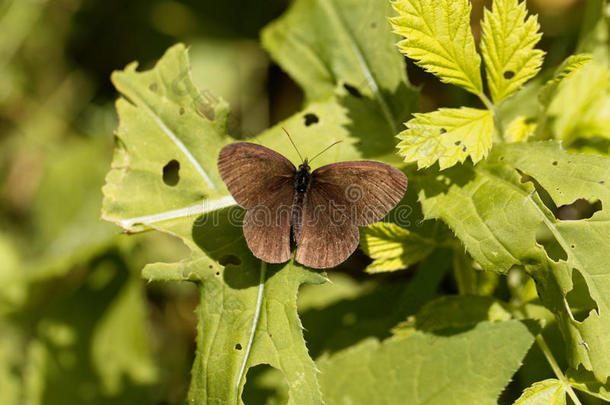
295, 147
325, 149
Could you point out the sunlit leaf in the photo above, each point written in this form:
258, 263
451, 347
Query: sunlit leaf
547, 392
392, 247
447, 135
507, 46
438, 37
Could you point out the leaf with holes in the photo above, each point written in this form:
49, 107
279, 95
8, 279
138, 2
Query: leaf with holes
164, 177
498, 210
392, 247
507, 45
438, 37
326, 43
448, 135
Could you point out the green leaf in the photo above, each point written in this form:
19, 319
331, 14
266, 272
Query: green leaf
247, 314
449, 368
569, 66
117, 348
580, 107
392, 247
325, 43
547, 392
438, 37
447, 135
520, 129
497, 215
507, 45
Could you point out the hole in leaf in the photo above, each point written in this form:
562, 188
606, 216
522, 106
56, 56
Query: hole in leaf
579, 299
544, 195
458, 143
171, 173
153, 87
352, 90
601, 182
464, 148
501, 158
579, 209
443, 131
310, 119
181, 111
208, 111
555, 163
229, 259
509, 74
238, 347
265, 385
218, 273
546, 239
373, 25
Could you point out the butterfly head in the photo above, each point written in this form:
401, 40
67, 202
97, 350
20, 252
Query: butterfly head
304, 167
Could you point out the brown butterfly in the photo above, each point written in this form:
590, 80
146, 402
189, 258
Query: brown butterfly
319, 211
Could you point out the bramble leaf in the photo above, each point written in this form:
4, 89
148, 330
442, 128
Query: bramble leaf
547, 392
507, 46
569, 66
496, 212
392, 247
438, 37
447, 135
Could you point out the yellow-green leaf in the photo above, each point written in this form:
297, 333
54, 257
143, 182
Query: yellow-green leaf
438, 37
520, 129
570, 66
547, 392
392, 247
448, 135
507, 45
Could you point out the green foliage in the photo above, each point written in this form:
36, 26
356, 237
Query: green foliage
448, 136
507, 45
393, 247
549, 391
488, 283
438, 37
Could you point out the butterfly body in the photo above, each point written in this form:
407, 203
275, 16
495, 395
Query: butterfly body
319, 211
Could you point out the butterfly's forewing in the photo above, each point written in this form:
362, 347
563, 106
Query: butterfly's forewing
370, 189
262, 181
341, 197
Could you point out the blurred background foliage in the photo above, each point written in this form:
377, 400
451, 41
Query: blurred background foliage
77, 324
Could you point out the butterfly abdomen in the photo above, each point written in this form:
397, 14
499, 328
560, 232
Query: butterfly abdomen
301, 185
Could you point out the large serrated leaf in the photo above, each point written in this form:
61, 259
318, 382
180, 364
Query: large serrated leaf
438, 37
507, 45
496, 213
165, 119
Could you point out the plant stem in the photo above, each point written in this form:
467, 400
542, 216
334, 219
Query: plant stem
492, 108
553, 363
